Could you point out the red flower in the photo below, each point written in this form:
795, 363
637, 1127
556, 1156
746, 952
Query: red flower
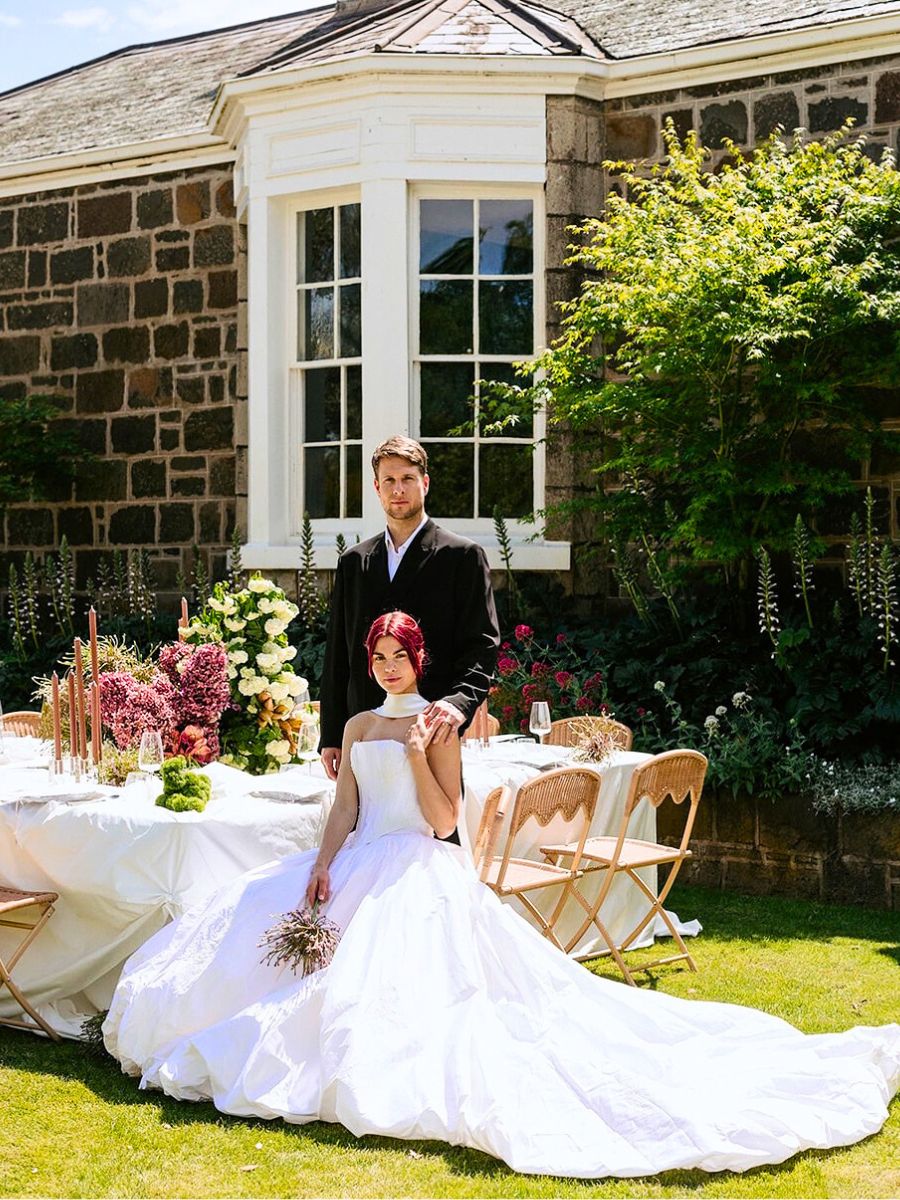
530, 692
593, 681
523, 724
642, 712
604, 708
506, 646
562, 678
583, 703
506, 666
561, 639
202, 745
538, 669
508, 711
523, 632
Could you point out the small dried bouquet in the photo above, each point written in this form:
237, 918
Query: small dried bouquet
304, 939
595, 741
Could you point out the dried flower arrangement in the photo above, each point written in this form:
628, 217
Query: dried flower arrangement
303, 939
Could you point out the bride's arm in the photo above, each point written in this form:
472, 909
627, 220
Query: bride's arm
436, 771
341, 821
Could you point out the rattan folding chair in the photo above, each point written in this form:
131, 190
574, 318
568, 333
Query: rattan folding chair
495, 808
567, 731
21, 724
675, 775
570, 793
30, 912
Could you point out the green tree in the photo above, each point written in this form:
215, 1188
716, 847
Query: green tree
719, 362
37, 449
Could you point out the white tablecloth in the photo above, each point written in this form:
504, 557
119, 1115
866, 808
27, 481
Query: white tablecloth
123, 868
512, 763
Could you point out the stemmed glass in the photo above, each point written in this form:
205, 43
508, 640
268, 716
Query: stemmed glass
539, 723
150, 753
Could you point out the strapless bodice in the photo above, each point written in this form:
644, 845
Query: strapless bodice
387, 791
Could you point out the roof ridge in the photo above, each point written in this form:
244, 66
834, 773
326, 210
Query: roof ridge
512, 12
452, 7
340, 29
136, 47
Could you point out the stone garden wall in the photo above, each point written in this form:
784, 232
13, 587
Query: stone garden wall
123, 299
783, 848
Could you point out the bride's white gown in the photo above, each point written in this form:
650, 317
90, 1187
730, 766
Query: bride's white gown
445, 1015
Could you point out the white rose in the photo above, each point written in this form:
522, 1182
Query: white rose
246, 688
278, 692
284, 611
297, 684
274, 627
266, 662
238, 656
216, 605
234, 624
247, 673
286, 653
232, 672
280, 749
260, 585
266, 605
270, 648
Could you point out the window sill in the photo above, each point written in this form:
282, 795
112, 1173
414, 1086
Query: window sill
526, 556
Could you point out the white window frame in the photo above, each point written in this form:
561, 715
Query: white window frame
482, 527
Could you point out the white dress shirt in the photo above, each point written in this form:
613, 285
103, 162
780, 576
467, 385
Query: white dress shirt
395, 555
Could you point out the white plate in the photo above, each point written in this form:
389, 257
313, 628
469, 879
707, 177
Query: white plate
283, 797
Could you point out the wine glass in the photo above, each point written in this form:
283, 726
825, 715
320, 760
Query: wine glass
539, 723
150, 753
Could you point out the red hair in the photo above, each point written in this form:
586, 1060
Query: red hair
405, 630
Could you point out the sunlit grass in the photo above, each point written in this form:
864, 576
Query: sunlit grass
73, 1125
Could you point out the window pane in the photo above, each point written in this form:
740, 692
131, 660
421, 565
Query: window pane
505, 318
350, 261
317, 324
351, 345
445, 237
506, 237
322, 410
492, 409
504, 480
446, 398
354, 402
450, 471
353, 507
322, 481
317, 242
445, 317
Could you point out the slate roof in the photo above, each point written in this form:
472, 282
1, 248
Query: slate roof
167, 89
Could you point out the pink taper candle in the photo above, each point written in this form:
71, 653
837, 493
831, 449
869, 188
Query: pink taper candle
92, 631
82, 708
73, 717
96, 742
183, 623
57, 726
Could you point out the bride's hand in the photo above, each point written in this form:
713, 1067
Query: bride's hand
319, 886
419, 735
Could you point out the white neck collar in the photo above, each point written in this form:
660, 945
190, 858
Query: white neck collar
409, 704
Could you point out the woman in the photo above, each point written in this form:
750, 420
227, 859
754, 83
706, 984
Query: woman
444, 1015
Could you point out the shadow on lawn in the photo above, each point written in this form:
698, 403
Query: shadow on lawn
100, 1074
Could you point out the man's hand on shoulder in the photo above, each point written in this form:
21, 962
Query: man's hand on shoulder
331, 760
445, 718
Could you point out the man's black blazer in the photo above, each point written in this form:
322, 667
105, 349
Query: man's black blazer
444, 582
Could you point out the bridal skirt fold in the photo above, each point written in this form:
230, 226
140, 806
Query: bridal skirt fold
444, 1015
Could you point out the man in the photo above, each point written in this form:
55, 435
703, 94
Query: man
440, 579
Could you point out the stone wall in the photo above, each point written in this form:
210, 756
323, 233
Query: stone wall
122, 298
783, 848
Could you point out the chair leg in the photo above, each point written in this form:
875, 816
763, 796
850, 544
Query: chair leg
656, 909
545, 926
7, 982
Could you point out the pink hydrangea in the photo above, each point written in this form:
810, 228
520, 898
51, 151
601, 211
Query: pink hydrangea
131, 708
169, 658
203, 685
523, 632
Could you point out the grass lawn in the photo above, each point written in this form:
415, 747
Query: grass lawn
73, 1125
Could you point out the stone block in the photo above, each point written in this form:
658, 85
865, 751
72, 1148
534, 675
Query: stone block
151, 298
176, 524
871, 835
192, 202
207, 342
789, 824
214, 247
222, 289
169, 439
210, 524
91, 434
13, 391
682, 121
825, 116
19, 355
99, 391
241, 422
133, 525
154, 208
148, 387
630, 136
225, 199
178, 259
133, 435
12, 270
102, 303
70, 266
777, 109
108, 213
735, 819
76, 351
721, 121
191, 389
221, 476
189, 462
106, 479
171, 341
173, 235
37, 268
148, 478
76, 525
187, 296
887, 97
216, 389
39, 316
30, 527
7, 227
746, 874
41, 223
127, 257
129, 343
231, 342
189, 485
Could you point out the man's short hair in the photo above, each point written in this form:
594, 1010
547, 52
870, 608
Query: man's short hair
401, 447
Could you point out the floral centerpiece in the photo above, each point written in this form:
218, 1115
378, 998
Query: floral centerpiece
262, 727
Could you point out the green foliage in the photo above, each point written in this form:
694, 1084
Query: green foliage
37, 449
184, 790
744, 318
